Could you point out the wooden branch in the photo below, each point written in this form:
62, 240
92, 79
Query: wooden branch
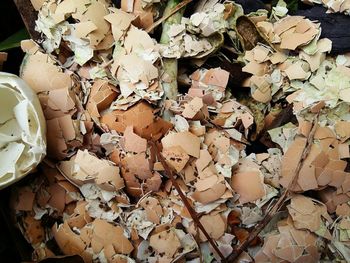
224, 129
190, 209
165, 17
277, 206
29, 15
3, 58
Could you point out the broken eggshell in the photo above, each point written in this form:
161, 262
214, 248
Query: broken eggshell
216, 40
22, 130
248, 33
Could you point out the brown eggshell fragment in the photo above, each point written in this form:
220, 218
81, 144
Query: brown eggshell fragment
209, 195
120, 22
206, 182
286, 23
257, 69
80, 217
141, 116
153, 183
344, 151
105, 234
153, 209
61, 136
95, 13
131, 142
84, 167
306, 179
109, 178
25, 199
82, 29
296, 71
249, 185
214, 225
217, 77
293, 40
165, 242
343, 210
41, 73
139, 165
186, 140
34, 231
176, 157
101, 96
307, 214
69, 242
342, 129
290, 161
144, 15
289, 253
57, 103
203, 160
58, 197
192, 108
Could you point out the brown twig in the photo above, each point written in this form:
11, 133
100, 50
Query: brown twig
190, 209
29, 15
277, 206
161, 20
224, 129
3, 58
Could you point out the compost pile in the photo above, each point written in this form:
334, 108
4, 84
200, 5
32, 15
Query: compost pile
217, 135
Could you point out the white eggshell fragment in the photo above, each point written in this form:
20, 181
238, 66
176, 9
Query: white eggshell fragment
22, 129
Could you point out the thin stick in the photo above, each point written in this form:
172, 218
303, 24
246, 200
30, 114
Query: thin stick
192, 212
224, 129
277, 206
29, 15
165, 17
